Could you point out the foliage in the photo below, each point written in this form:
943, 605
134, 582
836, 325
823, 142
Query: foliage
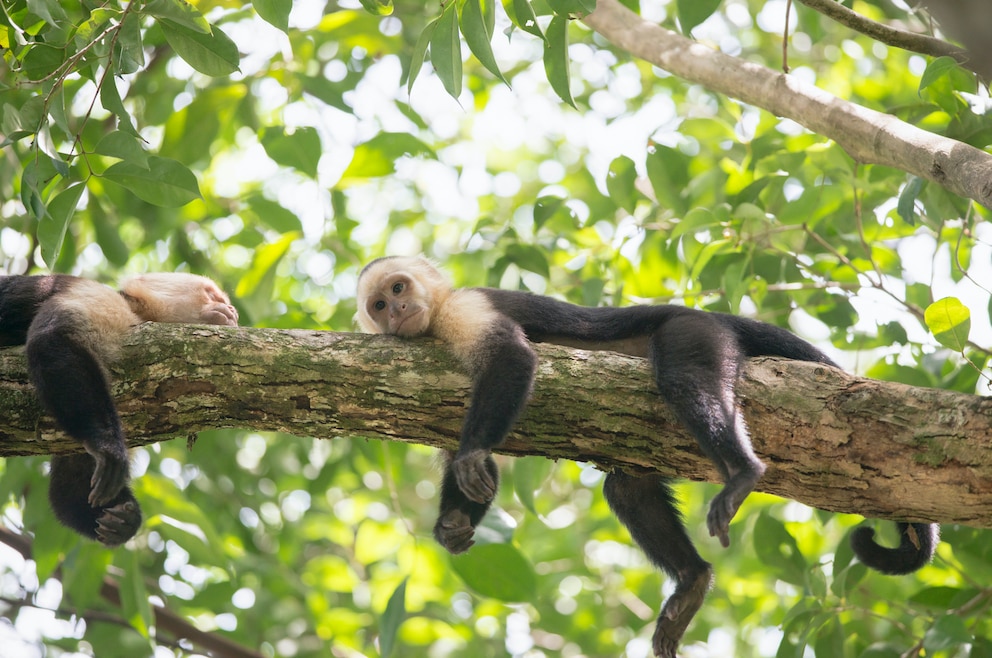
279, 146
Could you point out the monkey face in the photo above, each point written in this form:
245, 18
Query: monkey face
393, 299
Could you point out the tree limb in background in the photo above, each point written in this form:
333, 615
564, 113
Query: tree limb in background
970, 22
869, 137
830, 440
917, 43
166, 621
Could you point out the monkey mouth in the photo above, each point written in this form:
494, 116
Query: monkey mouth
409, 326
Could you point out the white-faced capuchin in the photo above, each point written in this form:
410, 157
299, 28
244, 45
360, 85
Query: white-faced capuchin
696, 358
72, 329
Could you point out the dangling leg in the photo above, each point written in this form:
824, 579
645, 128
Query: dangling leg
696, 366
646, 507
459, 515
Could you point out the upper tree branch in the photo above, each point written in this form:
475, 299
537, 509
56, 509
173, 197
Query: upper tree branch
831, 440
917, 43
868, 136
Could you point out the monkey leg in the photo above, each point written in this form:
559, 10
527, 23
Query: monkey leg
696, 366
71, 384
111, 523
459, 514
646, 507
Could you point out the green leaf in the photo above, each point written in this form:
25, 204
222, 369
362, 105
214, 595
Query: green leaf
907, 199
446, 52
935, 70
478, 35
668, 172
128, 52
82, 573
572, 8
419, 51
123, 146
274, 12
378, 7
212, 54
778, 549
620, 181
377, 157
513, 580
393, 616
949, 632
41, 61
300, 150
111, 99
556, 58
52, 227
178, 12
950, 322
529, 474
522, 14
274, 215
693, 12
163, 182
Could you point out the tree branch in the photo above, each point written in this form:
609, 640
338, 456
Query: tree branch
917, 43
831, 440
868, 136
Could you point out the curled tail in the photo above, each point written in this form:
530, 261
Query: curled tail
917, 543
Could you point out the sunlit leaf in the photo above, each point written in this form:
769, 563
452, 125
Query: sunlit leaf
446, 51
514, 580
935, 70
907, 199
522, 14
378, 7
163, 182
478, 35
299, 150
572, 8
134, 595
620, 182
529, 474
274, 12
419, 52
693, 12
950, 322
391, 619
211, 54
377, 157
178, 12
52, 227
556, 58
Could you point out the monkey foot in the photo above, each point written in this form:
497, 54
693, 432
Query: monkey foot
679, 610
454, 531
119, 523
724, 506
473, 476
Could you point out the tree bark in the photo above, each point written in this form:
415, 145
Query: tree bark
868, 136
830, 440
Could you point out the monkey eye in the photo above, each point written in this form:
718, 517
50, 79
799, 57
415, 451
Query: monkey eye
397, 288
379, 305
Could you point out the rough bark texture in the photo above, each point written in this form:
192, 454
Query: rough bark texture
868, 136
831, 440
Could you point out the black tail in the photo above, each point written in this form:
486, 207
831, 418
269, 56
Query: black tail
917, 543
762, 339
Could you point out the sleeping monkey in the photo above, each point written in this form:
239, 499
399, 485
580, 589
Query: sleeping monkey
72, 329
696, 358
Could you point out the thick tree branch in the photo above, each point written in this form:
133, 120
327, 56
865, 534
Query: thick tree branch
868, 136
831, 440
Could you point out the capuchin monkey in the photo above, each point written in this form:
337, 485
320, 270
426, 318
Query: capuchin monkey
696, 358
72, 329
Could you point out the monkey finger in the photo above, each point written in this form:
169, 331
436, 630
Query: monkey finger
220, 313
109, 477
119, 523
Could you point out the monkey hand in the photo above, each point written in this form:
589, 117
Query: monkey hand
118, 523
474, 476
454, 531
110, 476
724, 506
220, 313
